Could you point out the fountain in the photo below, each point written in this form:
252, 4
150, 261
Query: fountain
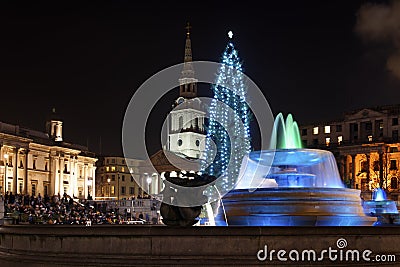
382, 208
291, 186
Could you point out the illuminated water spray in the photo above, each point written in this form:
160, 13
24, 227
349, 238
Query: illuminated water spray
285, 134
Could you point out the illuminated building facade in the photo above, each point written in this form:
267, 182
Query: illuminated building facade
115, 180
34, 162
366, 146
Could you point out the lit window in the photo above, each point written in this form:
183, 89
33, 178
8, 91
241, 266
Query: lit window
369, 138
113, 168
327, 129
107, 169
315, 130
123, 169
340, 139
327, 141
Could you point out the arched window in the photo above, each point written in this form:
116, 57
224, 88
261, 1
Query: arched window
394, 183
180, 123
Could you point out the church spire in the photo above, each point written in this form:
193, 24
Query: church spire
188, 86
188, 46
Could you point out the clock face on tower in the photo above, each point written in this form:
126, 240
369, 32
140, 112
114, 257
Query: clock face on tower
180, 100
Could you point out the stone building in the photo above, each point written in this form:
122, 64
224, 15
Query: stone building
34, 162
115, 180
366, 146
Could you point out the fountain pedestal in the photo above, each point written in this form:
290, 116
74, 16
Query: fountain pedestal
294, 207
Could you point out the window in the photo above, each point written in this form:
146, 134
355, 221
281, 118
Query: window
9, 186
112, 190
376, 165
363, 166
123, 161
123, 169
340, 139
107, 169
46, 189
180, 123
327, 129
123, 178
180, 142
34, 164
45, 166
66, 167
21, 166
368, 126
112, 160
304, 132
108, 161
380, 125
395, 135
20, 187
123, 190
131, 190
33, 189
395, 121
315, 142
113, 177
394, 183
327, 141
338, 128
369, 138
315, 130
393, 149
393, 164
113, 168
197, 142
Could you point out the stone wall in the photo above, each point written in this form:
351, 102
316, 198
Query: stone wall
126, 245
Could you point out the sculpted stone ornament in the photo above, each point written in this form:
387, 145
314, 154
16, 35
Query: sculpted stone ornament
183, 216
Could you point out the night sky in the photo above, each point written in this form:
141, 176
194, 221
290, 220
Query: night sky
314, 59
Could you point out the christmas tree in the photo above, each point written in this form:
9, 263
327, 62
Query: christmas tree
229, 124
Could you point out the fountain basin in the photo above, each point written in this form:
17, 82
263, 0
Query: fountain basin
293, 206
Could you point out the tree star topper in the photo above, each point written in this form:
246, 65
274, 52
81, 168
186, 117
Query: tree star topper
230, 34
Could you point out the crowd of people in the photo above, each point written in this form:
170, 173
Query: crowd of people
63, 210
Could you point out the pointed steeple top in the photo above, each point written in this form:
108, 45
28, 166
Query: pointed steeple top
188, 46
188, 87
188, 27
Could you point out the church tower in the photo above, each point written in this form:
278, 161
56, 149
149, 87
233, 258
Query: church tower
186, 133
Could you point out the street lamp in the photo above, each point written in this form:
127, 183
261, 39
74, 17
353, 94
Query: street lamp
109, 187
118, 187
148, 180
